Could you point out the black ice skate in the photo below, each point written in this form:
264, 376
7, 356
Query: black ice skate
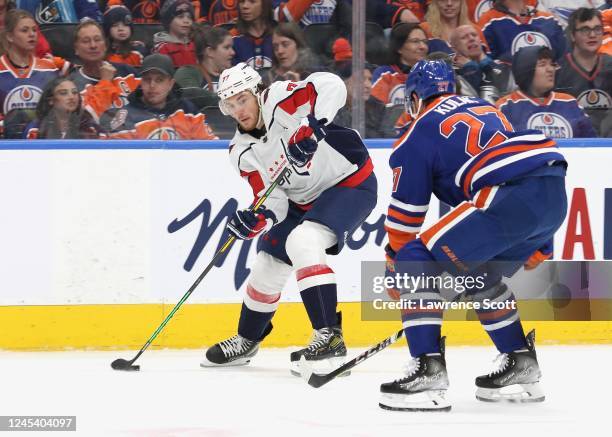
235, 351
325, 352
422, 389
516, 379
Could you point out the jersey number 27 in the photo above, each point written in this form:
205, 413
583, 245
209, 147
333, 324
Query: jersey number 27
474, 141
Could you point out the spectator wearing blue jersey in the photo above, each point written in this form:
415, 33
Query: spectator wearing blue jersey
253, 34
535, 105
61, 11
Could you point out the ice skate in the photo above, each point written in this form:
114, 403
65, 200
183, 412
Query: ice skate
325, 352
422, 389
235, 351
516, 379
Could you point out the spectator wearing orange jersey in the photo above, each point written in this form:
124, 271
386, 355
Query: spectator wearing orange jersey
103, 84
118, 29
156, 111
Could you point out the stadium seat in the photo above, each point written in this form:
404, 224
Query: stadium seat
16, 121
145, 32
320, 37
223, 126
60, 37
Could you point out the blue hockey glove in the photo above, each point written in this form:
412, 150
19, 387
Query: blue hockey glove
246, 224
304, 141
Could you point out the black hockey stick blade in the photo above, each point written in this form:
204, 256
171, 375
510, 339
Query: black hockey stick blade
121, 364
317, 381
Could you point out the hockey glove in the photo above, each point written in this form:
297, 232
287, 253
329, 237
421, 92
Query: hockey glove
539, 256
390, 271
246, 224
304, 141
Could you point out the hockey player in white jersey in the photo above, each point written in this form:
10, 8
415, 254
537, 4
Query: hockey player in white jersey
327, 193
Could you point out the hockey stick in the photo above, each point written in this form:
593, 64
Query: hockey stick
120, 363
317, 381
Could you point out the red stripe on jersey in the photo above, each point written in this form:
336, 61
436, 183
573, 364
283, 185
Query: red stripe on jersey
300, 97
317, 269
261, 297
359, 176
254, 180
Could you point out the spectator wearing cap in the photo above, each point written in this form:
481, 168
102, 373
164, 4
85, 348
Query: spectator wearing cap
489, 78
585, 73
215, 52
156, 111
292, 59
119, 30
103, 84
176, 41
535, 105
512, 24
253, 34
148, 11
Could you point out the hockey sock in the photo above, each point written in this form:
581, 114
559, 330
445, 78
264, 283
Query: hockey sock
500, 319
254, 325
509, 338
320, 302
423, 339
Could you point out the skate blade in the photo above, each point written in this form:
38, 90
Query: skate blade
236, 363
320, 367
426, 401
515, 393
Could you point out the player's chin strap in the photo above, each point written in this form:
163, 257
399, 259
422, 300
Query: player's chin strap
411, 109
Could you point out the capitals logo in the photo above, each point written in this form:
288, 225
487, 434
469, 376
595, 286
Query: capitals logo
550, 124
595, 99
529, 39
22, 97
163, 133
397, 96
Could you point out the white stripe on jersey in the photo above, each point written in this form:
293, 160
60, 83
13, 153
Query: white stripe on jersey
408, 206
403, 228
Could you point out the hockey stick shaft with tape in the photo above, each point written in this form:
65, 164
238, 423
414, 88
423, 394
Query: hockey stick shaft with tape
121, 364
317, 381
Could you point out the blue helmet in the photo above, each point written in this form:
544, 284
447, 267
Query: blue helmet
430, 78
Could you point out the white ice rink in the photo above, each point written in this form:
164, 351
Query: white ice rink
173, 396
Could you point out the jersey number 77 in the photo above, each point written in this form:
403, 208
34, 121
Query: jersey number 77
484, 125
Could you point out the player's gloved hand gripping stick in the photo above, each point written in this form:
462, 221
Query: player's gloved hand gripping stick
305, 140
120, 363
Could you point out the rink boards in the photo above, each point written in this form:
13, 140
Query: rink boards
98, 244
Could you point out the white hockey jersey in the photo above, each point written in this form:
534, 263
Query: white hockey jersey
341, 158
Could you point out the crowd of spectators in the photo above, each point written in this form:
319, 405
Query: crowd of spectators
149, 68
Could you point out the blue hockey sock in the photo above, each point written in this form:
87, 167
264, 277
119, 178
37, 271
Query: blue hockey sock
320, 302
254, 325
423, 339
509, 338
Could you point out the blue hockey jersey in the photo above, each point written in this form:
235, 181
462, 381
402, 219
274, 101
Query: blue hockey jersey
457, 146
506, 34
255, 52
22, 88
558, 116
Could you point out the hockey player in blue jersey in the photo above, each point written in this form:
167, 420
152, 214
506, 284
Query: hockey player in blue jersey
507, 190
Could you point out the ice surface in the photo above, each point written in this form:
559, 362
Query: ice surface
173, 396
